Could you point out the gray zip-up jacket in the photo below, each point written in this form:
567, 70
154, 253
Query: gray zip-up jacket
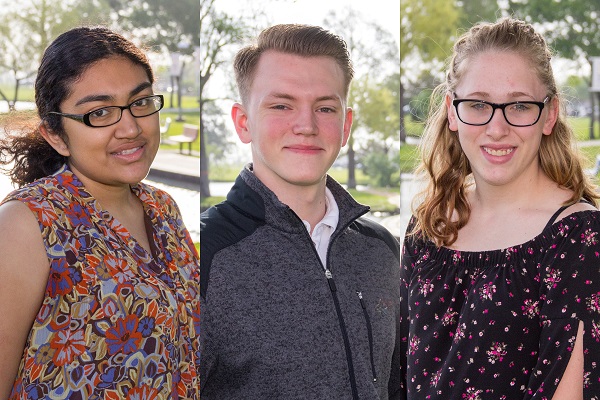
276, 323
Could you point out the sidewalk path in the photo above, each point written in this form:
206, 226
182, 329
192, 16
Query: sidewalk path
173, 165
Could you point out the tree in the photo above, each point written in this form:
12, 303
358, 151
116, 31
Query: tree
171, 26
217, 31
427, 31
378, 109
572, 27
367, 59
27, 29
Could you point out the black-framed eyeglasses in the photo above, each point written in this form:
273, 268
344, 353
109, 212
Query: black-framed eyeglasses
107, 116
516, 113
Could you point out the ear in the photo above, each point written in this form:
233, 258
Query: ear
54, 140
553, 111
240, 121
452, 118
347, 126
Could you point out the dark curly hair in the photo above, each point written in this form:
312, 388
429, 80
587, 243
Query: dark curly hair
63, 63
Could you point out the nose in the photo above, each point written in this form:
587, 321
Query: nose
498, 126
305, 122
128, 126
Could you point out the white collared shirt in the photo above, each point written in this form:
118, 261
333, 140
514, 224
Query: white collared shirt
325, 227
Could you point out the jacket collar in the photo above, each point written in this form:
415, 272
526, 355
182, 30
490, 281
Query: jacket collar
252, 197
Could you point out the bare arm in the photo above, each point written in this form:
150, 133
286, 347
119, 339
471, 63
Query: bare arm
571, 384
24, 269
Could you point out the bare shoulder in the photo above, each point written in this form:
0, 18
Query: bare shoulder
21, 241
24, 269
15, 220
577, 207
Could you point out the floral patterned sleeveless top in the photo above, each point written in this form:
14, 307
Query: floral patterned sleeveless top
116, 322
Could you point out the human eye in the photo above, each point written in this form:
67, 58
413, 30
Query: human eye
326, 110
279, 107
142, 103
475, 105
520, 107
101, 113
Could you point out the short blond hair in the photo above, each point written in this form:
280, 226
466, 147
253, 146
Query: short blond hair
302, 40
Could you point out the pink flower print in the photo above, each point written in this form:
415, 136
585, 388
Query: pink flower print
472, 394
486, 291
589, 237
67, 346
448, 318
426, 287
456, 257
496, 352
460, 333
552, 278
596, 330
593, 303
414, 344
435, 378
531, 308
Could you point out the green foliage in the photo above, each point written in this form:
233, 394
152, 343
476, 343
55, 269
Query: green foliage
572, 27
161, 23
419, 105
382, 169
427, 27
376, 107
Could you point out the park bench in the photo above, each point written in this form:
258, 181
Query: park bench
164, 129
189, 135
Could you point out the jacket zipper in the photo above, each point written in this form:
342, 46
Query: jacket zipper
369, 333
336, 302
338, 310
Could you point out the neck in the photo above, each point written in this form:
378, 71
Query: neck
310, 206
520, 194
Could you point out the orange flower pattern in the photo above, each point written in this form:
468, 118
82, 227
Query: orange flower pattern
116, 321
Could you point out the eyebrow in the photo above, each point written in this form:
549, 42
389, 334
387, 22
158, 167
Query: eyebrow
290, 97
105, 97
512, 94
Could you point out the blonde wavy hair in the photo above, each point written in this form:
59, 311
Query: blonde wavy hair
445, 167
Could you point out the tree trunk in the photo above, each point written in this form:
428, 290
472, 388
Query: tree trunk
402, 126
351, 164
593, 115
204, 167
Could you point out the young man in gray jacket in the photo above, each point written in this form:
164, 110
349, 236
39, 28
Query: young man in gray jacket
300, 293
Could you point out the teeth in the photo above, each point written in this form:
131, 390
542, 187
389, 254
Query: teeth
502, 152
130, 151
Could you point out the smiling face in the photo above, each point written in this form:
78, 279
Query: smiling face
498, 152
295, 119
116, 155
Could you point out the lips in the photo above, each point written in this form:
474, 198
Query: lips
300, 147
